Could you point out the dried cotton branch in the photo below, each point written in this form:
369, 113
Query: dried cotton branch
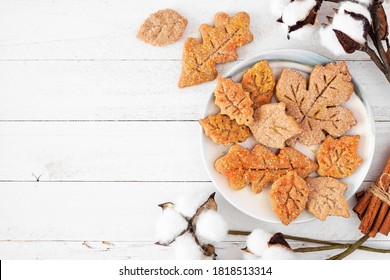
347, 29
187, 223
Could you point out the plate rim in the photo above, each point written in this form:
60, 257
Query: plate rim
312, 60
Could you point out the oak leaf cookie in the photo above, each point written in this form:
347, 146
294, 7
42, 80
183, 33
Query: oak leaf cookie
219, 45
317, 107
222, 130
338, 158
326, 198
289, 196
162, 28
261, 166
259, 81
233, 101
272, 126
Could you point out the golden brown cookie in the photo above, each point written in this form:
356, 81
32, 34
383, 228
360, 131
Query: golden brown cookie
261, 166
233, 101
289, 196
259, 81
272, 126
326, 198
162, 28
222, 130
317, 107
219, 45
338, 158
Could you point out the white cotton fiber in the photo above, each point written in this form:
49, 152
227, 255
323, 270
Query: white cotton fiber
346, 24
278, 6
169, 225
305, 33
257, 241
188, 204
186, 248
354, 7
386, 3
277, 252
329, 40
297, 11
211, 226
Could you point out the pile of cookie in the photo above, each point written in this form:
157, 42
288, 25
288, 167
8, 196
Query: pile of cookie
309, 113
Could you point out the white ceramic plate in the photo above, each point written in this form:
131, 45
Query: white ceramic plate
258, 205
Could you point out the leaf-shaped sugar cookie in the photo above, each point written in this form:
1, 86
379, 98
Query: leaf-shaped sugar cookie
218, 46
233, 101
261, 166
221, 129
272, 126
259, 81
326, 198
338, 158
317, 108
289, 196
162, 28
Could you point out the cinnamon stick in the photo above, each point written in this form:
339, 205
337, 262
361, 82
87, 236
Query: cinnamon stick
385, 227
370, 215
384, 209
362, 204
359, 195
375, 204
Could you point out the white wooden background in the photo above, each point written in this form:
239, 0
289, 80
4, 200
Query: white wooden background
94, 132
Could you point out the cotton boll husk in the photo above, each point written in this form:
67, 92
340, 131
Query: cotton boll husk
211, 226
186, 248
329, 40
188, 204
278, 6
257, 241
169, 225
276, 252
304, 33
297, 11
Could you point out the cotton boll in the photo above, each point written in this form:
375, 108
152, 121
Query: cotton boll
276, 252
257, 241
278, 6
346, 24
211, 226
169, 225
186, 248
188, 204
329, 40
386, 3
297, 11
353, 28
304, 33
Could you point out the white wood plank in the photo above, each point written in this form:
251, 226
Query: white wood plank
117, 151
146, 251
127, 212
128, 90
106, 29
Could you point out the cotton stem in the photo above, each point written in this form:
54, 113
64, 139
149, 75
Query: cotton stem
351, 249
